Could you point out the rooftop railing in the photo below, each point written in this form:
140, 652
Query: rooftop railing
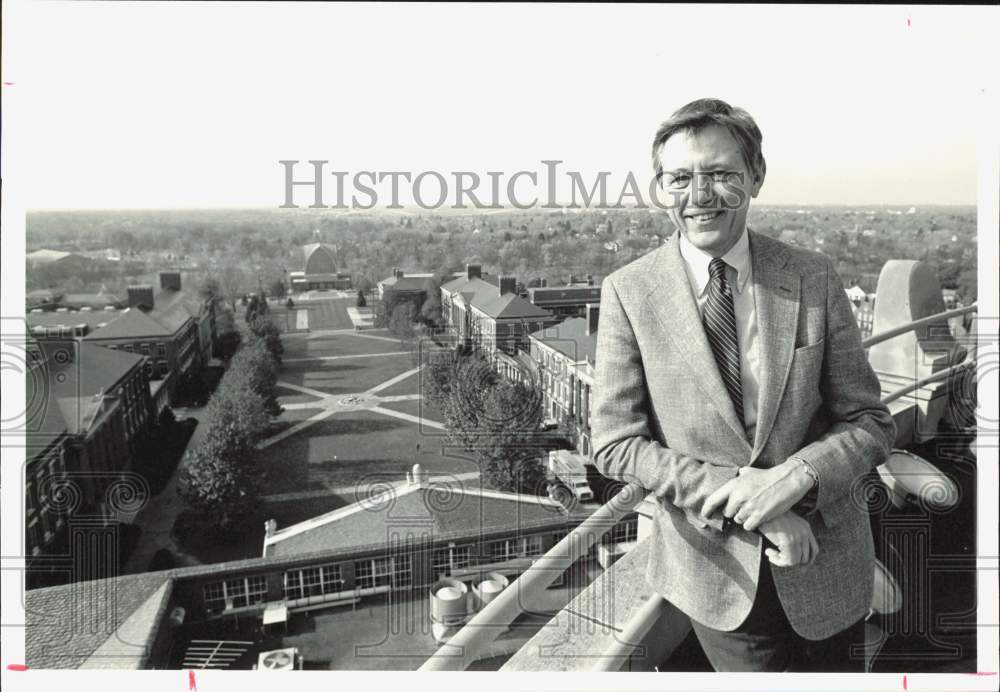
468, 643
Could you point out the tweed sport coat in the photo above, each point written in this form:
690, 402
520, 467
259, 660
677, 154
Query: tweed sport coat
662, 416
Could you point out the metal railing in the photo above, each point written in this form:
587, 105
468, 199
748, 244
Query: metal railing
467, 644
917, 324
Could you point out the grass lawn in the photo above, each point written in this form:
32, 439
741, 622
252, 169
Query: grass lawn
421, 408
408, 385
367, 446
328, 314
290, 396
345, 376
337, 345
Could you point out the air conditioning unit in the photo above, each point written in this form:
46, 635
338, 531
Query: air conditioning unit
279, 659
177, 616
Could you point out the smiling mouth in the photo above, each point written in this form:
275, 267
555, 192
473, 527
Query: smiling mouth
706, 217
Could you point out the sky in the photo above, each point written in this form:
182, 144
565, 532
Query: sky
133, 105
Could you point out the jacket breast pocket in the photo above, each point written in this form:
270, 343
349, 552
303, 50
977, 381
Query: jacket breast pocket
806, 373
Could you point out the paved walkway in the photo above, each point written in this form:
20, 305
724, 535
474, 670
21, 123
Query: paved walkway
330, 404
157, 518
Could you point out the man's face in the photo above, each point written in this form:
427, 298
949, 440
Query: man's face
707, 187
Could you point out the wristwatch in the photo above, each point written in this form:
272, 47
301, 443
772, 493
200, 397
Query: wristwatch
809, 470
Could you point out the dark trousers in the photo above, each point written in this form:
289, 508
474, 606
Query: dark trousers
766, 642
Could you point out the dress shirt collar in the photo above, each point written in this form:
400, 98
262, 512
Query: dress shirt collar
698, 260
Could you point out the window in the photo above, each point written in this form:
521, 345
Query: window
313, 581
235, 593
145, 349
503, 550
625, 530
164, 369
447, 560
127, 347
386, 571
532, 546
161, 350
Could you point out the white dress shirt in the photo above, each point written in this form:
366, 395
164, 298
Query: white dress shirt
739, 270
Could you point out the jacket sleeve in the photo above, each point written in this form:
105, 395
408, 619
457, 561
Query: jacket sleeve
862, 431
624, 446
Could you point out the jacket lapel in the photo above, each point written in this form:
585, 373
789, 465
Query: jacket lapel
776, 296
672, 301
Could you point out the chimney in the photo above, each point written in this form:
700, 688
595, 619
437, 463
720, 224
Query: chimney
474, 271
140, 297
508, 284
593, 312
170, 281
398, 273
270, 526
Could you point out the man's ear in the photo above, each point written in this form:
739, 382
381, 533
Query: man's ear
757, 184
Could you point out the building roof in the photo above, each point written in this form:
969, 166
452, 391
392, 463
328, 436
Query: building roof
569, 338
72, 318
556, 295
319, 259
486, 297
508, 306
132, 323
105, 623
43, 256
408, 282
90, 299
66, 392
443, 510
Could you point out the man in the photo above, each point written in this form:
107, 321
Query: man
731, 382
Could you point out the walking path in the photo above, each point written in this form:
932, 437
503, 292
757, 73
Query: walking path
303, 359
330, 404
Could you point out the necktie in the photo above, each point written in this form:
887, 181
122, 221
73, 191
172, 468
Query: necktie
720, 328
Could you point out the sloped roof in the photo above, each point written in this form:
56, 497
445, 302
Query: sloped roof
570, 338
131, 323
105, 623
508, 305
43, 255
408, 282
72, 318
94, 369
455, 510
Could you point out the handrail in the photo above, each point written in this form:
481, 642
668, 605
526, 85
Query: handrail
463, 648
913, 386
916, 324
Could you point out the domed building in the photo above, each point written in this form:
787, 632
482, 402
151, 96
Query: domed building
320, 270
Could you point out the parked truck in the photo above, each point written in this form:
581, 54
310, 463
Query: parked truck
569, 469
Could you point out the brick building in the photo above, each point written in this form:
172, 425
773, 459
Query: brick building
87, 409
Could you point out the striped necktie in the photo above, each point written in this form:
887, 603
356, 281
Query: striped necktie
720, 328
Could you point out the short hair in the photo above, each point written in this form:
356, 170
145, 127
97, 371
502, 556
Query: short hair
702, 113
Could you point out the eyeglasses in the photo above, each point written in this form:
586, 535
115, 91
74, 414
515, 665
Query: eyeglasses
679, 180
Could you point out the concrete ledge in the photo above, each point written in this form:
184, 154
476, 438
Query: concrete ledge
594, 622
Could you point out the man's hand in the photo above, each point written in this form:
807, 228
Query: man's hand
759, 495
793, 538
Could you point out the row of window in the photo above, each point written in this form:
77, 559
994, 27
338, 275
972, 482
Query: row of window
394, 572
142, 347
